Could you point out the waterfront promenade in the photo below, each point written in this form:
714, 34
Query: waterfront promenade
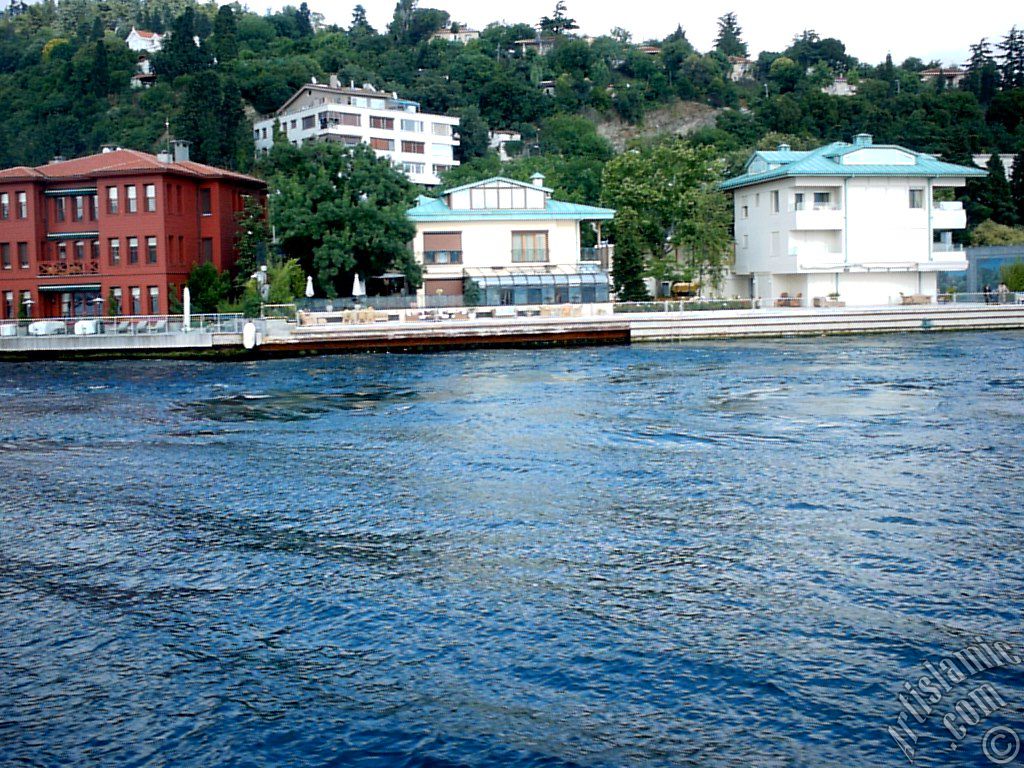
327, 333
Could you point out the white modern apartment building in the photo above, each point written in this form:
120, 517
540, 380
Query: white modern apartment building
420, 144
871, 223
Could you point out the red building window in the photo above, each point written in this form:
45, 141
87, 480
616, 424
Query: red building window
23, 255
413, 147
131, 198
5, 206
59, 208
150, 198
205, 202
115, 251
133, 251
22, 205
151, 250
5, 255
112, 204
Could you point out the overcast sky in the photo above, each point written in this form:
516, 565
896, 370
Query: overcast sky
941, 29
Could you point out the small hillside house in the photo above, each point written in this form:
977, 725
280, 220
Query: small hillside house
868, 222
512, 244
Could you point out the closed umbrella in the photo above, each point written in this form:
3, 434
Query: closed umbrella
357, 287
186, 303
309, 287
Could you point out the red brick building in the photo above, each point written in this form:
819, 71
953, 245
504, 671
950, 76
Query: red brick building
122, 225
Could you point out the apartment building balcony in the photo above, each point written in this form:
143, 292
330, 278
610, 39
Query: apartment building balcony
949, 215
815, 216
70, 267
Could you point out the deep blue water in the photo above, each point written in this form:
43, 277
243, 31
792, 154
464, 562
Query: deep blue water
705, 554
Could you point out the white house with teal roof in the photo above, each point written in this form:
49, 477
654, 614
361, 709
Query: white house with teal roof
516, 244
872, 223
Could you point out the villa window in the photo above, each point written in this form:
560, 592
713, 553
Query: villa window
442, 247
114, 251
822, 200
23, 255
131, 197
384, 145
79, 207
118, 295
136, 300
385, 123
308, 122
775, 201
151, 250
205, 202
9, 305
5, 206
150, 198
133, 251
22, 205
413, 126
413, 147
112, 205
59, 208
529, 247
917, 198
798, 201
206, 253
94, 206
5, 255
441, 129
154, 300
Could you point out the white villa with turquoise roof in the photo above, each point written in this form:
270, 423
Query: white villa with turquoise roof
516, 244
865, 221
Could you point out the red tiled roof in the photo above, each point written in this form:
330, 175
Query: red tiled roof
145, 33
120, 162
20, 172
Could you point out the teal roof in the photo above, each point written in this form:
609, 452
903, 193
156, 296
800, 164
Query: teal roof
827, 161
430, 209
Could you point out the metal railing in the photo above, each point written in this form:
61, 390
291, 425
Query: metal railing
122, 325
992, 297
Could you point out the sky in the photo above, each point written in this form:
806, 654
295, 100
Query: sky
870, 29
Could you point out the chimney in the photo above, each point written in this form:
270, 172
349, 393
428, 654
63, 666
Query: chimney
537, 179
108, 148
784, 147
180, 151
862, 140
335, 82
164, 157
58, 159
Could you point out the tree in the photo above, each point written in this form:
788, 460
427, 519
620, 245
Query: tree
207, 287
667, 203
728, 42
199, 120
181, 55
995, 193
558, 23
473, 134
1011, 69
982, 78
1017, 185
225, 35
251, 238
100, 79
341, 211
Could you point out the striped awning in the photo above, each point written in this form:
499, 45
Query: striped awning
69, 288
73, 236
69, 192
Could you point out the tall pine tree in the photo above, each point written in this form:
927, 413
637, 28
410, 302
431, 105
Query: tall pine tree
729, 40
